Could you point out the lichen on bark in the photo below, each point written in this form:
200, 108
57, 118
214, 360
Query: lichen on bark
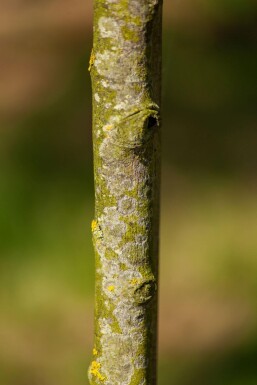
125, 67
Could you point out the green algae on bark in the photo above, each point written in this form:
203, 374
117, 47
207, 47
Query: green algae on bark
125, 67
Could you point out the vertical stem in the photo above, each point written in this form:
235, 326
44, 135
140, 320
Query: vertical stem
125, 67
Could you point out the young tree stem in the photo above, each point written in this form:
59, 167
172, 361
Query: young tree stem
125, 67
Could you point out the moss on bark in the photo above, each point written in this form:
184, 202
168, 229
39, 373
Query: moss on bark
125, 66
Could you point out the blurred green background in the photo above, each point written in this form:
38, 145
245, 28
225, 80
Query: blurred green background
208, 290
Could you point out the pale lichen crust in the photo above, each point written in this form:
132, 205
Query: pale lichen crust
125, 74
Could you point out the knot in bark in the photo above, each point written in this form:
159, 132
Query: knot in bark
145, 291
137, 128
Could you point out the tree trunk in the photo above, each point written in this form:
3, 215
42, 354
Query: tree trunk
125, 66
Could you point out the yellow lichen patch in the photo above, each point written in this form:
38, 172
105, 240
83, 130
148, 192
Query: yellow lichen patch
95, 365
108, 127
91, 60
95, 352
111, 288
94, 225
94, 369
134, 281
